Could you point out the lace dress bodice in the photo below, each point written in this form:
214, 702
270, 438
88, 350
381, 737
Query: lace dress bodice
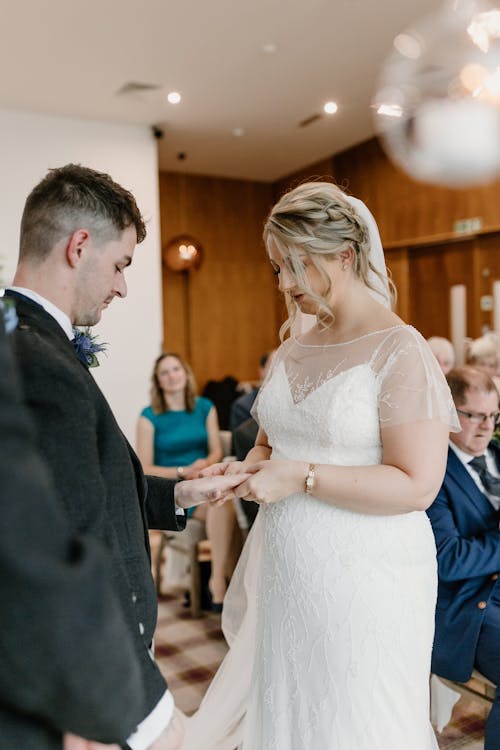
336, 423
328, 403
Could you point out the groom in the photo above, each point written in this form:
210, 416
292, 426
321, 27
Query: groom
56, 593
78, 235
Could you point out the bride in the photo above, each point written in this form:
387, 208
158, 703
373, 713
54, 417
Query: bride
330, 615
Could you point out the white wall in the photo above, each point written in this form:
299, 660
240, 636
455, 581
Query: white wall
31, 144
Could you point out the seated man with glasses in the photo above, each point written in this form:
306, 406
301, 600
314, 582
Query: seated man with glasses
465, 520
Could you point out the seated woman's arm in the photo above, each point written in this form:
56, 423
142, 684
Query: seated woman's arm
214, 447
145, 450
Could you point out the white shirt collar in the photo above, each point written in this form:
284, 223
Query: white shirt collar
49, 307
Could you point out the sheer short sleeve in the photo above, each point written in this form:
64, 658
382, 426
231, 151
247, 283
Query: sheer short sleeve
412, 386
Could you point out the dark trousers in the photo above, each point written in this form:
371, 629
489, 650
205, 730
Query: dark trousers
488, 663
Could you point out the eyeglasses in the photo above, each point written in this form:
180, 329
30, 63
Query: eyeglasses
480, 418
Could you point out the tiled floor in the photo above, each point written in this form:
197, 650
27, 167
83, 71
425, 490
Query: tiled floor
190, 651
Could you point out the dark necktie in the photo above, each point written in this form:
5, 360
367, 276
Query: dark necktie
491, 484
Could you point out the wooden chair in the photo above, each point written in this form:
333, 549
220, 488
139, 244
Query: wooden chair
190, 543
445, 694
478, 686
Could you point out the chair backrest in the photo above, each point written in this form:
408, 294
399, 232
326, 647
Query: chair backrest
226, 440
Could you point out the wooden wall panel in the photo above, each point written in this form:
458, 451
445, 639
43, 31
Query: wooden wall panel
433, 271
398, 264
416, 223
225, 315
407, 211
319, 170
487, 268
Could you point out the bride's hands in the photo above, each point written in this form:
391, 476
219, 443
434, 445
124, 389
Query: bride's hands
206, 489
272, 480
225, 468
237, 470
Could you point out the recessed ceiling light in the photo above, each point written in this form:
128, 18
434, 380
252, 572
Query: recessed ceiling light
330, 108
238, 132
408, 46
174, 97
269, 48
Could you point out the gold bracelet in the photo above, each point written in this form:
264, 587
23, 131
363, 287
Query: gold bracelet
310, 480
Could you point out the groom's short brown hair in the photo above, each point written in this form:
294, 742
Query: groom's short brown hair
74, 197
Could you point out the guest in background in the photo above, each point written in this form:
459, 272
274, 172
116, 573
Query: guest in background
443, 351
241, 408
222, 393
246, 429
178, 436
464, 518
484, 354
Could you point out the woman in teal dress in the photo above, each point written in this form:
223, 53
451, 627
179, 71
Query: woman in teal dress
177, 437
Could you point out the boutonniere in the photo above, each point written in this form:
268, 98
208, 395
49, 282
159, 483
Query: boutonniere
9, 314
87, 347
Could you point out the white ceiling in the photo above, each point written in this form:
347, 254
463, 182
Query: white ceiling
71, 58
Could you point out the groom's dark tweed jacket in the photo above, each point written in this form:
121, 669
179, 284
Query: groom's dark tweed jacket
97, 475
55, 594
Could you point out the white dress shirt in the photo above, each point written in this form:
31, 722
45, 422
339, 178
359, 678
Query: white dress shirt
49, 307
153, 725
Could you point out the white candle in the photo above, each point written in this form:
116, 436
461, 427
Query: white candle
496, 307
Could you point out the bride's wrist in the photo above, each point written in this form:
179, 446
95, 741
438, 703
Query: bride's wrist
300, 475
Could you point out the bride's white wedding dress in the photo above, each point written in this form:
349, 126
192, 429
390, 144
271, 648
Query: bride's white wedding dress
330, 615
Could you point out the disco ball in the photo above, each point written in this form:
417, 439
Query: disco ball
437, 103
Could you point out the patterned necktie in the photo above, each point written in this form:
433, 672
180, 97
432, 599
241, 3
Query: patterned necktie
491, 484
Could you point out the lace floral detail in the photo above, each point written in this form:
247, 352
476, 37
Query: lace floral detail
409, 383
300, 389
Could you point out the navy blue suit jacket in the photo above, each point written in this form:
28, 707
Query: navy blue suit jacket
465, 527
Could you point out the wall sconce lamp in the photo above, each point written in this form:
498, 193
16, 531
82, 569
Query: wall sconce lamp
182, 253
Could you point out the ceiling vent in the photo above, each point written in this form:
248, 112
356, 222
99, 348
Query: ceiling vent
309, 120
137, 87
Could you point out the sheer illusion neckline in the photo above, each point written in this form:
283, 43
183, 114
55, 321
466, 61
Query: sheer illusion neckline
351, 341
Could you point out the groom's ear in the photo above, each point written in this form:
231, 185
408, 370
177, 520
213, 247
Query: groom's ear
75, 246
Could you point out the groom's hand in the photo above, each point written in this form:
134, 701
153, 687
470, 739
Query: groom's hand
207, 489
215, 470
72, 742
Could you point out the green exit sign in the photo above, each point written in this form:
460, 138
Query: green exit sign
468, 226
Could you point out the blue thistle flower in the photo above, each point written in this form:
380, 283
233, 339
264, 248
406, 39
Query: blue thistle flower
86, 347
9, 315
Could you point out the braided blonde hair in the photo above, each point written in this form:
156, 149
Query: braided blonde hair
316, 218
